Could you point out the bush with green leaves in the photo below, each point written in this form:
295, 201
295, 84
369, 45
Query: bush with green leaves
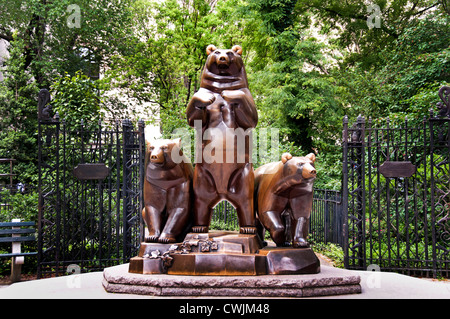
75, 98
19, 205
18, 116
332, 251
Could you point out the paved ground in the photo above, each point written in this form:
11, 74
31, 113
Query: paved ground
375, 285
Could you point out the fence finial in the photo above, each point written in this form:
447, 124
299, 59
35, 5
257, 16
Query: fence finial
360, 119
444, 106
44, 106
345, 119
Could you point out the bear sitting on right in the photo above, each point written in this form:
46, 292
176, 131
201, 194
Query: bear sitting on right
286, 187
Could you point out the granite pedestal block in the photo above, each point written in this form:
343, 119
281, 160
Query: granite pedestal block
330, 281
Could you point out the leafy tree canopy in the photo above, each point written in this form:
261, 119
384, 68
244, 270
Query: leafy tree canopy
309, 62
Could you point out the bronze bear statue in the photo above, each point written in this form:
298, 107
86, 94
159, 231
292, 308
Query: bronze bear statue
286, 187
224, 110
167, 192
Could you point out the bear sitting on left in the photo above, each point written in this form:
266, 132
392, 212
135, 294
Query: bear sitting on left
167, 191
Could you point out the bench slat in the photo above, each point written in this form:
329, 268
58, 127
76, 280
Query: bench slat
17, 224
17, 231
16, 239
18, 254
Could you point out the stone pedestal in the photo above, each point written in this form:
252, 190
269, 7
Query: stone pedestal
222, 253
227, 264
330, 281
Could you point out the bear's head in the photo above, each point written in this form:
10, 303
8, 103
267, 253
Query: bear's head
224, 69
164, 152
224, 62
300, 166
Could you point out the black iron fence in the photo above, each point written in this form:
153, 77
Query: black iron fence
90, 194
224, 217
393, 210
325, 226
326, 222
396, 196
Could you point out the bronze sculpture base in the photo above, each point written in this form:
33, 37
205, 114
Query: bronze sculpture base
223, 253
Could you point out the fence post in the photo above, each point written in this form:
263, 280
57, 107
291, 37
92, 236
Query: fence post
354, 219
142, 146
48, 129
361, 193
344, 191
126, 185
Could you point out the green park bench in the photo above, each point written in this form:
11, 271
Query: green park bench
12, 232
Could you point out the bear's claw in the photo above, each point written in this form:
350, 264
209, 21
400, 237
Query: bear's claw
166, 240
200, 229
247, 230
300, 243
151, 239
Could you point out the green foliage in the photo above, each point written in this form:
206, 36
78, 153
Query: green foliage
329, 169
166, 54
221, 225
290, 79
52, 47
332, 251
309, 63
76, 98
349, 19
18, 113
42, 49
410, 72
276, 15
22, 206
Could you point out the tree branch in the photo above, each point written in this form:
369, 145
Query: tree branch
6, 35
423, 10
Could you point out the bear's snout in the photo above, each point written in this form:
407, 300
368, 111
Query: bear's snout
308, 171
157, 157
223, 61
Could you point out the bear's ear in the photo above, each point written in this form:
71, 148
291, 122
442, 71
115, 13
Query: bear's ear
312, 157
237, 49
210, 49
285, 157
148, 144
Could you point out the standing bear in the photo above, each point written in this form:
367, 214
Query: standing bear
167, 191
223, 112
286, 187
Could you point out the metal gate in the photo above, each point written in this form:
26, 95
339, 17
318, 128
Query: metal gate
396, 196
90, 198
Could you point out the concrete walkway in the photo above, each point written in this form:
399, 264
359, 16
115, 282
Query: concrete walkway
375, 285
